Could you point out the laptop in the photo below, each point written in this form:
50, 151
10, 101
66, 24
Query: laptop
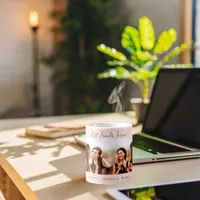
171, 128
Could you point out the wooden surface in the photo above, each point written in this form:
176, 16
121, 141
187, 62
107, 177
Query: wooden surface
186, 29
54, 169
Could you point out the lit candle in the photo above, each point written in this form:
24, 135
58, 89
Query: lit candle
34, 19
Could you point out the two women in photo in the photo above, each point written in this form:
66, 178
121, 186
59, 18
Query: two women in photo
97, 164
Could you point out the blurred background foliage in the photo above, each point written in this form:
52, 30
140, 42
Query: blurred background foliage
76, 62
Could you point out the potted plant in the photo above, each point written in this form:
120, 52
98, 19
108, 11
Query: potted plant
146, 54
79, 28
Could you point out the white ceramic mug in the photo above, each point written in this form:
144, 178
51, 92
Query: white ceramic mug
108, 153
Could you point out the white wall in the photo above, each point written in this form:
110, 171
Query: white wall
15, 53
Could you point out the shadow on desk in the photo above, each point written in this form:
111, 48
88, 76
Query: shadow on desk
74, 190
31, 146
73, 168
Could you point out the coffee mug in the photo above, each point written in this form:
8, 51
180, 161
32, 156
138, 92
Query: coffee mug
108, 153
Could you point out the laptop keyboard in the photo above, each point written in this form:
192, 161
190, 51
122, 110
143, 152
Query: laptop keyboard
153, 146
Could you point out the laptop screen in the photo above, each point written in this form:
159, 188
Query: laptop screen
174, 109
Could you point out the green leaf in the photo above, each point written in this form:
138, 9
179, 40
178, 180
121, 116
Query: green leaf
174, 52
122, 73
111, 52
118, 72
146, 30
123, 63
135, 59
144, 74
144, 56
131, 39
178, 66
165, 41
116, 63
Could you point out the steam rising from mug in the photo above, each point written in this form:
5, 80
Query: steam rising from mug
115, 96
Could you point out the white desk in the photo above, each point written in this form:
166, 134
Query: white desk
54, 169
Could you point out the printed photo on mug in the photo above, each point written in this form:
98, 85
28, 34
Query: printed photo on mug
108, 153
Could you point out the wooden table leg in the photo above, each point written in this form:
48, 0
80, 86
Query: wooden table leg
2, 183
7, 187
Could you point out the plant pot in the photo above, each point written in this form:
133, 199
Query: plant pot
140, 108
